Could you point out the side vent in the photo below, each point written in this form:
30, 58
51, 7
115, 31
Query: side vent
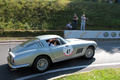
79, 50
40, 44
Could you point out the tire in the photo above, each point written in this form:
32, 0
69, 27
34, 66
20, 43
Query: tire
89, 53
41, 64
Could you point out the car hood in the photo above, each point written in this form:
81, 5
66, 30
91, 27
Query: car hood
80, 41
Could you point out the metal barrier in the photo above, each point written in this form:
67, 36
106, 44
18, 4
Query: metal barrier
92, 34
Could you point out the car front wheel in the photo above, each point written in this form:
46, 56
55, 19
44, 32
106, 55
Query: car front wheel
41, 63
89, 53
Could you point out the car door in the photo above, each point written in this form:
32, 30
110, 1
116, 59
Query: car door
62, 51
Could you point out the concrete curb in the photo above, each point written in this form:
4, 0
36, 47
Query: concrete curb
8, 41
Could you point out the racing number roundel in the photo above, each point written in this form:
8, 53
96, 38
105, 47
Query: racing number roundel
67, 50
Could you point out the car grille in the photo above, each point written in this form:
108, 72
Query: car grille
79, 50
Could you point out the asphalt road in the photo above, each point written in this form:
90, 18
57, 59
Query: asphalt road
107, 56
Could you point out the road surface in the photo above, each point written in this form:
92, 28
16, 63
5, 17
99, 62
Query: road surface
107, 56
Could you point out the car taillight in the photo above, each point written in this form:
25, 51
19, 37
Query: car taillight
13, 60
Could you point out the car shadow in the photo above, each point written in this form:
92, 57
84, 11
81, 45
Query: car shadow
72, 62
110, 47
6, 72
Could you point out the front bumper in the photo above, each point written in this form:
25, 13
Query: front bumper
16, 66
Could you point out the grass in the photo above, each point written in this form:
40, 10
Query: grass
105, 74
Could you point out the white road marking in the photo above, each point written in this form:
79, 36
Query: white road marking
64, 69
115, 47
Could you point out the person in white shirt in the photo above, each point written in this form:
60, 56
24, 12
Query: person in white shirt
49, 42
83, 19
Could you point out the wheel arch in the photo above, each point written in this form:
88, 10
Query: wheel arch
42, 55
91, 46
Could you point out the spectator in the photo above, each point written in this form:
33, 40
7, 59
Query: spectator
107, 1
111, 1
83, 19
75, 18
116, 1
69, 26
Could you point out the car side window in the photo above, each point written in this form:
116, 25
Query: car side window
53, 42
62, 42
57, 42
30, 42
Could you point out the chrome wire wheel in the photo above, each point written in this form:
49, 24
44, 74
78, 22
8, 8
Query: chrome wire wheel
89, 53
42, 64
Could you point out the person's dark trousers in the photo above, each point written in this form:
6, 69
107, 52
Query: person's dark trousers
74, 25
115, 1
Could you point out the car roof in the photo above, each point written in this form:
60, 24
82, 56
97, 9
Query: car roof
45, 37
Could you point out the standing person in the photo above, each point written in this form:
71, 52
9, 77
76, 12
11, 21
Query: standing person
116, 1
83, 19
107, 1
75, 18
69, 26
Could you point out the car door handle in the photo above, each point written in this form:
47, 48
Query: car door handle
66, 46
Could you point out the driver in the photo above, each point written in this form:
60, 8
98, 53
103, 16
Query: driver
50, 42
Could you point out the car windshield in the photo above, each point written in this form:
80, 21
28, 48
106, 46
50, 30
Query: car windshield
30, 42
65, 40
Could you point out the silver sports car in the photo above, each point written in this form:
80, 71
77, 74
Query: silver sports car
41, 51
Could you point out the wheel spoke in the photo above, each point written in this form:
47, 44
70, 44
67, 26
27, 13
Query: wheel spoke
42, 64
89, 53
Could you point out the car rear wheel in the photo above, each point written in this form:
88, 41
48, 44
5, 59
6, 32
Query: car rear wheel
41, 63
89, 53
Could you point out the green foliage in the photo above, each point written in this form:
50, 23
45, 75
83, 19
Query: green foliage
26, 14
54, 14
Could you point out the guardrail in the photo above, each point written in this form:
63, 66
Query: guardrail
92, 34
75, 34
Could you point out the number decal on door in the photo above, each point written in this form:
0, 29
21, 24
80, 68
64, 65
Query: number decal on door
67, 50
